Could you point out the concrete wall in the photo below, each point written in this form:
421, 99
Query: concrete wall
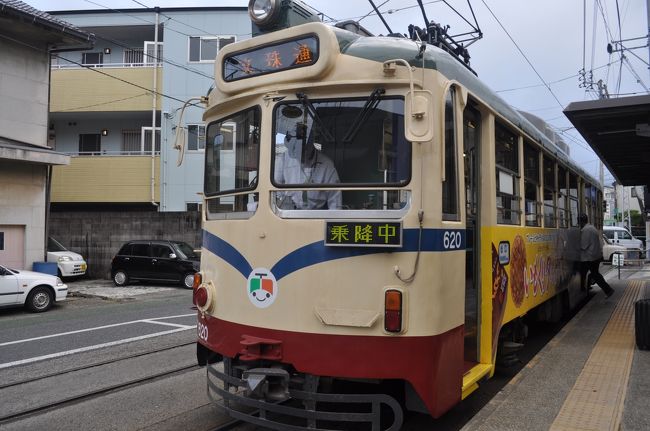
22, 203
97, 236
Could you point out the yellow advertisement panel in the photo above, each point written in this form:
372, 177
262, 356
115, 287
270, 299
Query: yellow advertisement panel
523, 267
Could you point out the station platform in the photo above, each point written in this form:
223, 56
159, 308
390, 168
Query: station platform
590, 376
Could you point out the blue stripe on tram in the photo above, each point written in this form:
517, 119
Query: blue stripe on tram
318, 252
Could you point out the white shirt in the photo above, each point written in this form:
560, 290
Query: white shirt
320, 170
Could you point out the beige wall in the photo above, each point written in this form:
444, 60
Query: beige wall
106, 179
88, 90
23, 94
22, 203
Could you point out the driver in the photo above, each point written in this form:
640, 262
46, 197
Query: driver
303, 163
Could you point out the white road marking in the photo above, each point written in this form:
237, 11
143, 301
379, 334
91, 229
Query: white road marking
61, 334
176, 325
89, 348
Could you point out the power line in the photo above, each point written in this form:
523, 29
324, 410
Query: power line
523, 55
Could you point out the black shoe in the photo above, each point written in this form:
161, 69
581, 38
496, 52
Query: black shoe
609, 293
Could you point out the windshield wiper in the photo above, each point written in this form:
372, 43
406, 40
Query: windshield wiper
302, 97
368, 108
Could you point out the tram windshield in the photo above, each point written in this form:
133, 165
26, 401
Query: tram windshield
336, 144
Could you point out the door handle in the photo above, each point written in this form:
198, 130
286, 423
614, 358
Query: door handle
154, 260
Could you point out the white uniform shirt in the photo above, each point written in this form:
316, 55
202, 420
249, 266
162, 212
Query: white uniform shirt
320, 170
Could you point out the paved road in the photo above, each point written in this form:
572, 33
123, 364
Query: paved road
89, 323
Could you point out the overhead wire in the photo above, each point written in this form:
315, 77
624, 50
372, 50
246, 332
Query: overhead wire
523, 54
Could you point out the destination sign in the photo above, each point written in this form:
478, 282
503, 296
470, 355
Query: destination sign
363, 233
272, 58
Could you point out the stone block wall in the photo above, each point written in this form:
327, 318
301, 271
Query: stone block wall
97, 236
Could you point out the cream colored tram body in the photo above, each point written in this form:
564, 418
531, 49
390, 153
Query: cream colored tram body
450, 217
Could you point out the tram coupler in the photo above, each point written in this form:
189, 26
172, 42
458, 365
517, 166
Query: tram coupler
269, 384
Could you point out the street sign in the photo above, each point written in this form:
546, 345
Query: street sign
617, 259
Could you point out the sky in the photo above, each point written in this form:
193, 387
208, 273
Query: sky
531, 52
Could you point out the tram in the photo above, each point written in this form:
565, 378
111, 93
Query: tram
376, 224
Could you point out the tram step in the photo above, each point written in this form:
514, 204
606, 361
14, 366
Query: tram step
642, 323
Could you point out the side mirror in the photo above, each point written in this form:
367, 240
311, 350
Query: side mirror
172, 255
418, 116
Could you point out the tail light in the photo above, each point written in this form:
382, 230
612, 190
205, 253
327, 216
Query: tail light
200, 297
198, 279
393, 310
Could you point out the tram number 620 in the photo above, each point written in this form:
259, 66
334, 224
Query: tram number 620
202, 331
452, 240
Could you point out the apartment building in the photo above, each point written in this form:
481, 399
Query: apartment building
114, 108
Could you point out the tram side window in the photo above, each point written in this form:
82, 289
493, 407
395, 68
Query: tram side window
587, 200
531, 185
507, 175
450, 184
562, 197
231, 162
573, 200
549, 193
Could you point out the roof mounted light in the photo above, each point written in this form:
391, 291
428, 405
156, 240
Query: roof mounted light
272, 15
263, 12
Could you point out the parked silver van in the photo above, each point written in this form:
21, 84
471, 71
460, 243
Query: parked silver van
620, 236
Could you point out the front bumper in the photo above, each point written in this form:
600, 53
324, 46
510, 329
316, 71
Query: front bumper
72, 268
293, 403
61, 292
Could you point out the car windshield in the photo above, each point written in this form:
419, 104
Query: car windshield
54, 245
186, 250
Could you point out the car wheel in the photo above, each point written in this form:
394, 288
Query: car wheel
120, 278
39, 299
188, 280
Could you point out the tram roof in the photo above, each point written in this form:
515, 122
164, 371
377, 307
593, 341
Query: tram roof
618, 131
380, 49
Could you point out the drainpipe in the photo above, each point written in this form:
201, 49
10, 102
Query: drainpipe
153, 109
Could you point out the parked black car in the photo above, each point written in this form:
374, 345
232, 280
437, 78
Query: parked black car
155, 260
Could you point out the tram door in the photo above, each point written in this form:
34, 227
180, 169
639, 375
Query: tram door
471, 146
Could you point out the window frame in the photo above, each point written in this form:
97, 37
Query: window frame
515, 177
201, 39
536, 182
198, 148
449, 186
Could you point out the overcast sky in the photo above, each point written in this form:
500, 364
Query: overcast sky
550, 33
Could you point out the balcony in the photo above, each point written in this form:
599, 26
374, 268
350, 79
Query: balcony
122, 177
103, 87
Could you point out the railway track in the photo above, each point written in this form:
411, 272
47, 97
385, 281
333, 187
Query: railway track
93, 365
59, 402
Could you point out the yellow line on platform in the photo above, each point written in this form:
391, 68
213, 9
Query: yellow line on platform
596, 400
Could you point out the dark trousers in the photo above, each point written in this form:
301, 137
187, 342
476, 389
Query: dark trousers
591, 267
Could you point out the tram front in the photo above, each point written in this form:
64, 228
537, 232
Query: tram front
312, 225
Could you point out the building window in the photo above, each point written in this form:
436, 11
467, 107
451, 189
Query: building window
89, 143
193, 206
206, 48
92, 58
450, 184
195, 137
2, 240
506, 146
531, 185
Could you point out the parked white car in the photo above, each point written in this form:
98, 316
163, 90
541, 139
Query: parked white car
609, 249
621, 236
35, 290
69, 264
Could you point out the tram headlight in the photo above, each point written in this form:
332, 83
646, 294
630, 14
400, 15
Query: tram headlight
263, 12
